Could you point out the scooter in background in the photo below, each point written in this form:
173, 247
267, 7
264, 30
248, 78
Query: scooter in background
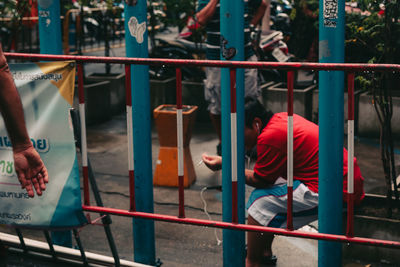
270, 47
189, 44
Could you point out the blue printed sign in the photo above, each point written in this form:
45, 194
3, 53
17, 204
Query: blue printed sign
47, 91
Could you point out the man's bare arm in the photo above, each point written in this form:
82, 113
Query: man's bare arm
11, 107
255, 181
31, 172
204, 15
259, 13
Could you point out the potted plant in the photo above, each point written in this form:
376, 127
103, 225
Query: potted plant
116, 89
274, 96
162, 91
97, 101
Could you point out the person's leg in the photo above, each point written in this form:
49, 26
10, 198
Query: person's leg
258, 245
216, 122
212, 94
251, 81
267, 207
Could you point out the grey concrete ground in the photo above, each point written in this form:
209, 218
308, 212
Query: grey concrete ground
179, 245
183, 245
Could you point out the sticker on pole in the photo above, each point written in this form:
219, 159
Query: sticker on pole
330, 13
47, 91
137, 29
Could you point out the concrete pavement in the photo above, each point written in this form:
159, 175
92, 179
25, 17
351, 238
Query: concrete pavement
176, 245
182, 245
185, 245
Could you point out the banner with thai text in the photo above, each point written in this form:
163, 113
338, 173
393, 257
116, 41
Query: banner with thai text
47, 92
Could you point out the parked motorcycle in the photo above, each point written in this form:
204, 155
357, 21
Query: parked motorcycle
189, 44
5, 37
91, 27
270, 47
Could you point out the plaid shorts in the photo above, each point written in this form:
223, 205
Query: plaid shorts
268, 205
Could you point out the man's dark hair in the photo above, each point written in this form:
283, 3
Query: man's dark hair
254, 109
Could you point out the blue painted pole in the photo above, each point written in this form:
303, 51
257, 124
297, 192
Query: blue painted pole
331, 87
136, 39
50, 43
50, 27
232, 17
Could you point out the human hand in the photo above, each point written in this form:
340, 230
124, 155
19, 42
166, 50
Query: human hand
30, 169
214, 163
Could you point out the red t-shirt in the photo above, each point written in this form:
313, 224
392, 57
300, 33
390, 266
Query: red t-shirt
272, 154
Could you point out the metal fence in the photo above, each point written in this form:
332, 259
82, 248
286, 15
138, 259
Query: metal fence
90, 30
349, 69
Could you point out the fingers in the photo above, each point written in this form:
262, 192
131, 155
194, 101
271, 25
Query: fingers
25, 184
204, 156
21, 178
31, 171
45, 175
29, 189
36, 185
41, 182
207, 158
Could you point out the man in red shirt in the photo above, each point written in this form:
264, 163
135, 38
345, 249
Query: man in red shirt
267, 203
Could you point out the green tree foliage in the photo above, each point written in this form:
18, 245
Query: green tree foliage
375, 38
372, 36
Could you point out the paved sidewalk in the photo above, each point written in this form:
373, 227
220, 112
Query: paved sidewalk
185, 245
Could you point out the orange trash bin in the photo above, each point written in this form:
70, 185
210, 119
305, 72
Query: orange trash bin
166, 173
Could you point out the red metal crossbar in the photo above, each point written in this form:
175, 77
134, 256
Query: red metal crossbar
350, 68
212, 63
245, 227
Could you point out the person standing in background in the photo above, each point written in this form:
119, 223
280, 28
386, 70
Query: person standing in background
208, 15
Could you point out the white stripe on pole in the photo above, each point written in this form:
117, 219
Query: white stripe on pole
234, 147
350, 157
130, 138
290, 152
179, 122
83, 134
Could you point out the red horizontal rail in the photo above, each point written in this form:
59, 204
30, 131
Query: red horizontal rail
214, 63
244, 227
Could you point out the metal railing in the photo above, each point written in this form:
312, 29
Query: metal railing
350, 69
